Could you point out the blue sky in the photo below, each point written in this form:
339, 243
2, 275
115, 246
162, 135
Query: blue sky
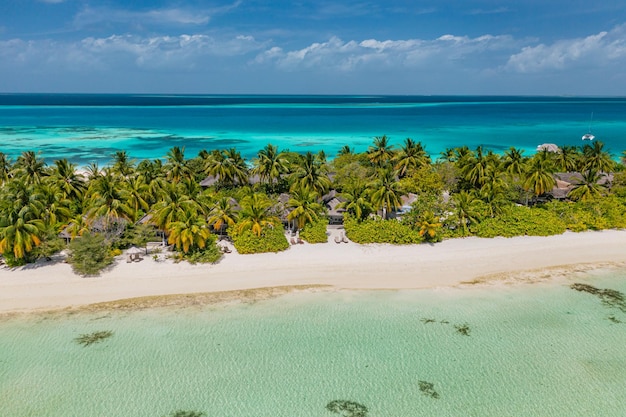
545, 47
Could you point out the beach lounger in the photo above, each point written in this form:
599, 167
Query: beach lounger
338, 239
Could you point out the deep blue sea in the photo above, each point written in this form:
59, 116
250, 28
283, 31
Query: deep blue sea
90, 128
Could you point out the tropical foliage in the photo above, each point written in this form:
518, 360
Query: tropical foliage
463, 192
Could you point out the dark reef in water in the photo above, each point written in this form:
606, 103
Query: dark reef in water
428, 389
347, 408
607, 296
95, 337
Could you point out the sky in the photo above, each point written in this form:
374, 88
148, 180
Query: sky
419, 47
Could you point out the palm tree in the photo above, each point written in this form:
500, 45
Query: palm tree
412, 155
222, 214
188, 232
21, 227
151, 174
176, 165
172, 205
270, 164
255, 214
310, 173
514, 162
588, 187
381, 151
305, 207
137, 192
428, 225
54, 205
385, 192
29, 167
122, 164
466, 209
539, 178
357, 199
475, 167
109, 199
595, 158
345, 150
93, 171
567, 158
5, 168
65, 177
229, 166
21, 236
448, 155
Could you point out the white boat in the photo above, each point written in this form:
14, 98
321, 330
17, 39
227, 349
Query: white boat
589, 135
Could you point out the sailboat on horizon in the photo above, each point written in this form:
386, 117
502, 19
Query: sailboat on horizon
589, 135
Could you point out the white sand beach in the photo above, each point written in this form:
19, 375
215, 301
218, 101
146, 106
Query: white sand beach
48, 286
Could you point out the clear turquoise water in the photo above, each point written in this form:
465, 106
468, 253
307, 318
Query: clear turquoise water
90, 128
533, 350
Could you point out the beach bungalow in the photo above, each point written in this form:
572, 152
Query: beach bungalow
331, 200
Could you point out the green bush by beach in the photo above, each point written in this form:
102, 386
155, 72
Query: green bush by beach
90, 254
270, 240
315, 232
521, 221
380, 231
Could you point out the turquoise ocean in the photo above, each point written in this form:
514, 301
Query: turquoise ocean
540, 349
90, 128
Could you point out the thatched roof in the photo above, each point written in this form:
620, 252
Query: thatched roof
134, 250
550, 147
211, 180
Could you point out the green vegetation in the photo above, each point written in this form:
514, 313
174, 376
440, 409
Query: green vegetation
90, 254
347, 408
270, 240
91, 338
315, 232
464, 192
380, 231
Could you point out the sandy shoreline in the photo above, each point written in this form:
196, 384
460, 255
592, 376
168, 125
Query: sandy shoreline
341, 266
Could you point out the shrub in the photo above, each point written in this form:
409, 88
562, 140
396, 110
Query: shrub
271, 240
315, 232
520, 221
90, 254
380, 231
209, 255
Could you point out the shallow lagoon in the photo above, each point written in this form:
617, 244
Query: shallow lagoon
539, 349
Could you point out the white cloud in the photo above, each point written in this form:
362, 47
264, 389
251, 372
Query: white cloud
121, 51
594, 50
410, 53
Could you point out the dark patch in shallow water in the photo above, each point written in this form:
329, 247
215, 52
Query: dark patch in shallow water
91, 338
428, 389
607, 296
184, 413
347, 408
